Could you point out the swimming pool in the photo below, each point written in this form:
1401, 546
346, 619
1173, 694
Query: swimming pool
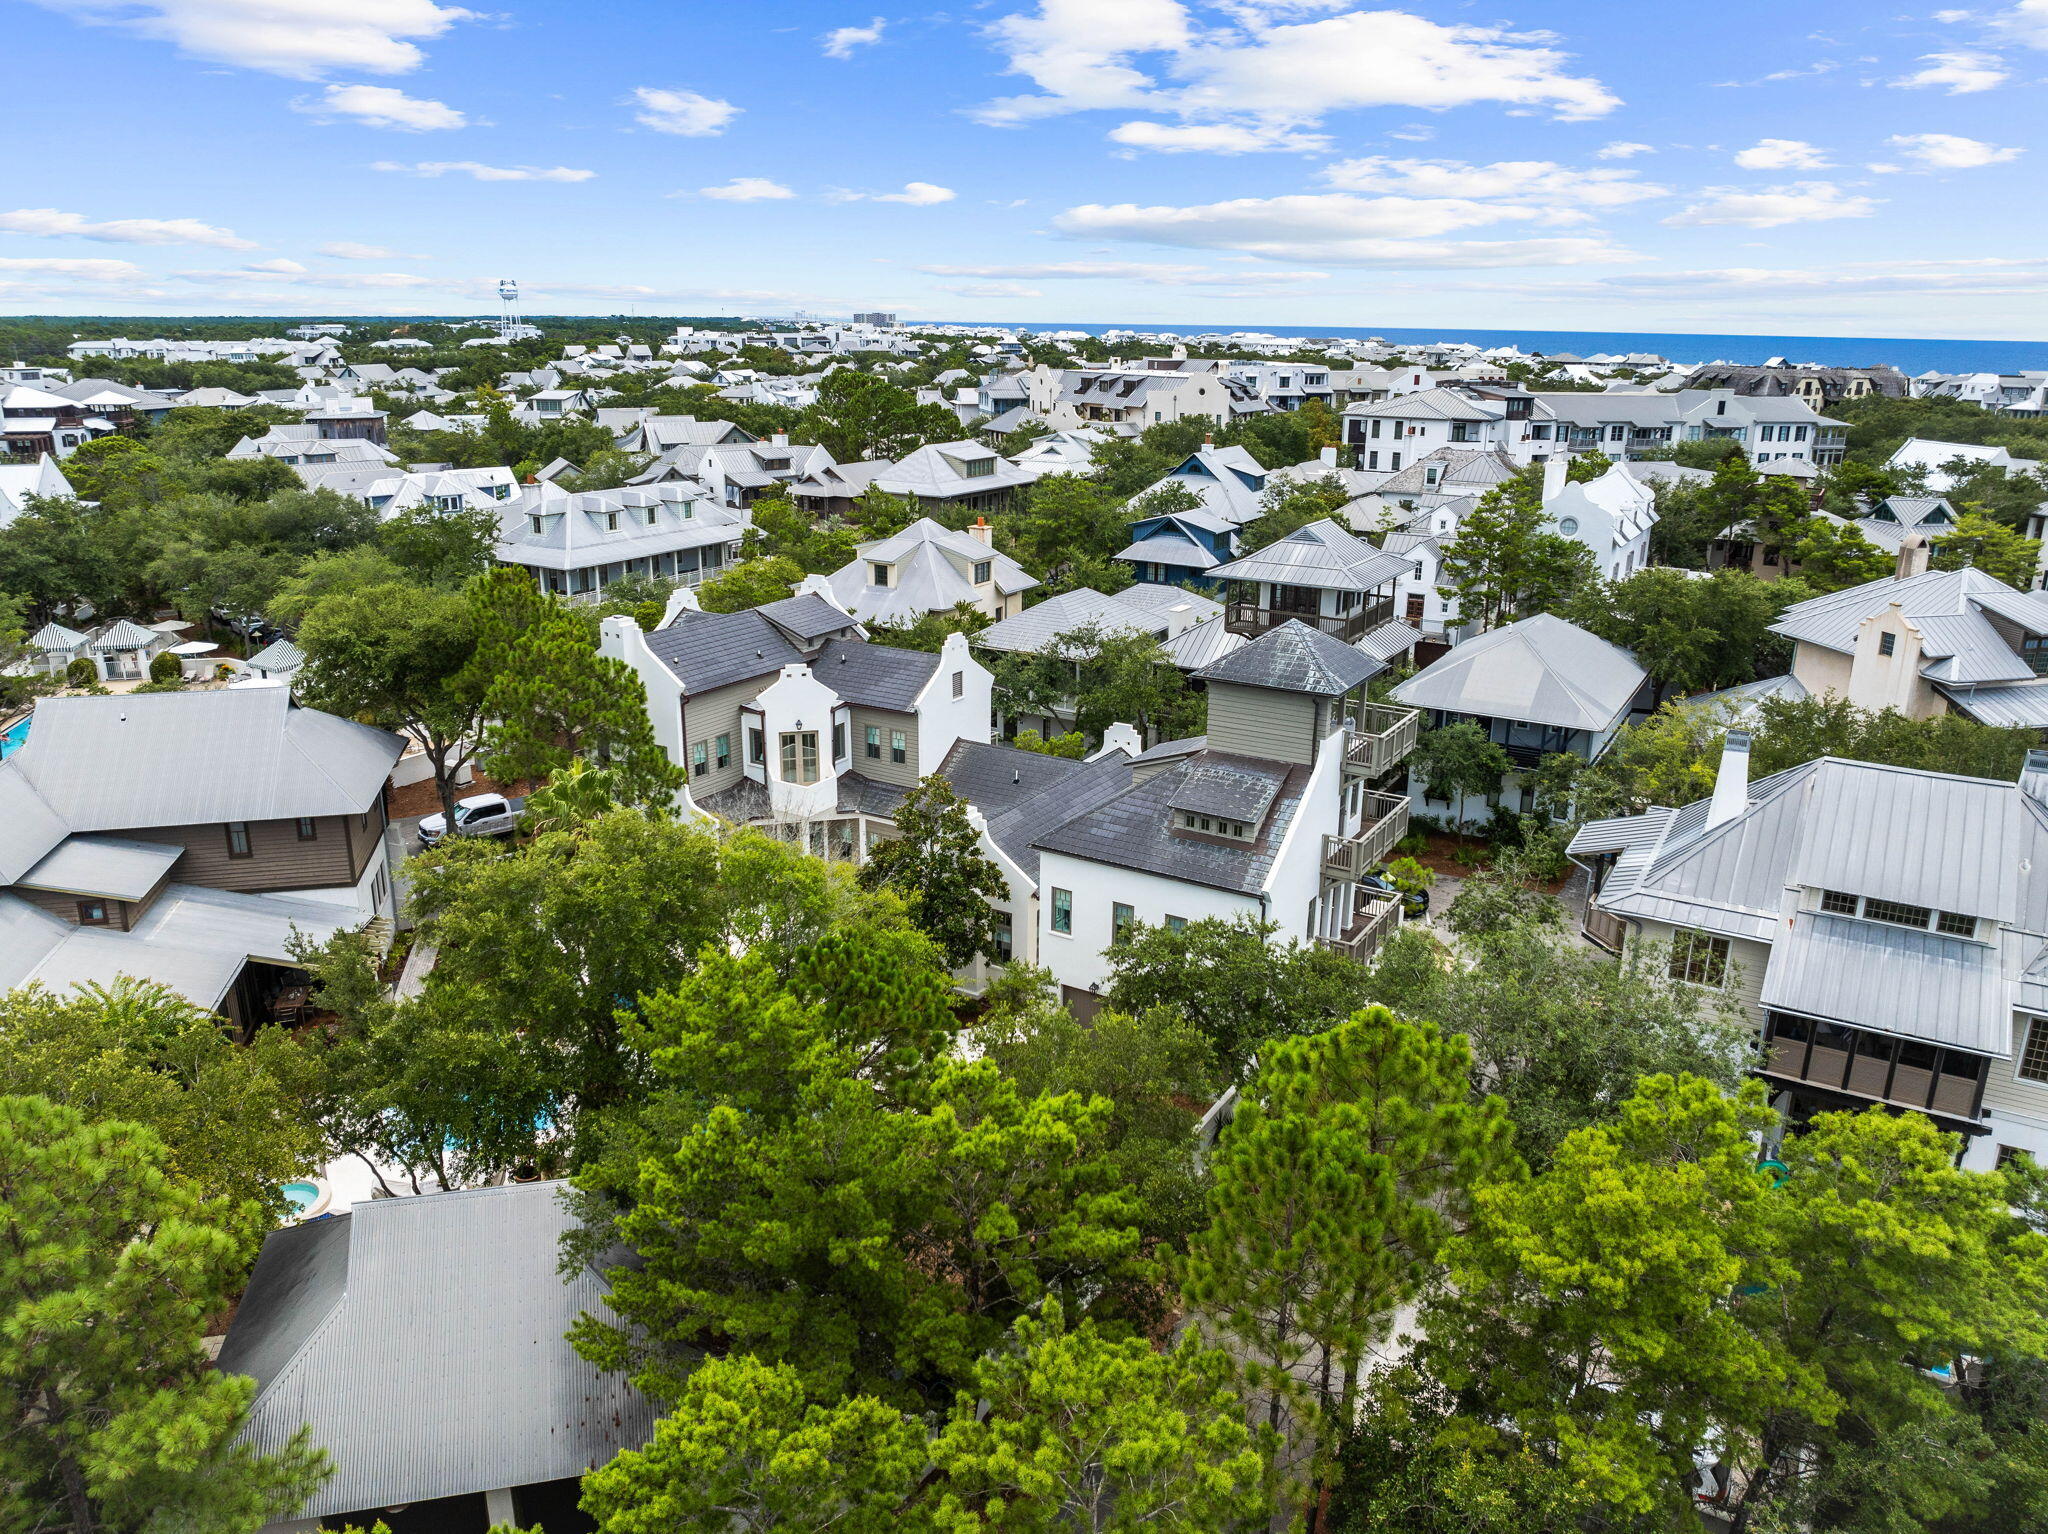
15, 736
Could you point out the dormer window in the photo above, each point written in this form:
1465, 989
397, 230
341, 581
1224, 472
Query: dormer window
878, 575
1898, 913
653, 512
977, 468
611, 521
533, 524
1215, 825
983, 569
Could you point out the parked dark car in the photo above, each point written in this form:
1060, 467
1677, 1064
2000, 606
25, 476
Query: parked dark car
1413, 907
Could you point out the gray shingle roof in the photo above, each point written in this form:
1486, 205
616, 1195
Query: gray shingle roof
706, 650
428, 1355
1295, 658
805, 618
1026, 794
1226, 789
874, 675
1135, 830
1541, 670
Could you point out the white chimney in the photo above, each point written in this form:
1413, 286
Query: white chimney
1731, 783
981, 530
1913, 554
780, 439
1555, 468
1328, 456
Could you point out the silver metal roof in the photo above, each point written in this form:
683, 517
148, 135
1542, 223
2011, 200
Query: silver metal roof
1541, 670
104, 866
437, 1366
1967, 845
193, 758
1979, 651
1919, 985
1292, 657
1324, 554
2018, 703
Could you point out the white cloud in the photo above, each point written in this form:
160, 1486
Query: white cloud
355, 250
303, 39
84, 268
1947, 151
1213, 138
747, 189
1083, 56
383, 106
1413, 133
52, 224
432, 168
992, 290
1538, 181
1337, 229
841, 41
2026, 22
1782, 154
1622, 149
1805, 202
290, 273
682, 112
919, 194
1959, 74
1157, 272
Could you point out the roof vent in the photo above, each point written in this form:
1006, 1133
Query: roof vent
2034, 776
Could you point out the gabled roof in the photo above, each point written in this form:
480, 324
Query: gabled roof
423, 1343
1951, 608
1325, 555
1427, 405
706, 650
875, 675
1541, 670
806, 617
103, 865
1968, 845
1026, 794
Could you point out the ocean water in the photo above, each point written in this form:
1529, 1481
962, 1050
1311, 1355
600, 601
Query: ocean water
1908, 355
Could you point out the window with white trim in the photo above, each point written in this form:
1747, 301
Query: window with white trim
1700, 958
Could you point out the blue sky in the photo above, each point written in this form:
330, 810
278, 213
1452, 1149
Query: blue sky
1821, 169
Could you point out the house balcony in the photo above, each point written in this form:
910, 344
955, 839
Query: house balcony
1605, 929
1381, 739
1854, 1066
1347, 858
1250, 619
1371, 924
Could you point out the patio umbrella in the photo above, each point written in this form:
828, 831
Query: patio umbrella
194, 647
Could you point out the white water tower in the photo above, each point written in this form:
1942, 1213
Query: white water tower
508, 296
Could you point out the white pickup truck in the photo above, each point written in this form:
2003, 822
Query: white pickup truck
478, 815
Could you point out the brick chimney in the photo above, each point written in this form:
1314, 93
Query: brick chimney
982, 530
1913, 554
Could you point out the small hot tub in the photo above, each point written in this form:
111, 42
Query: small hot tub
308, 1197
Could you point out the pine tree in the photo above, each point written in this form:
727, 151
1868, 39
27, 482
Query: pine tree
109, 1269
1350, 1155
935, 862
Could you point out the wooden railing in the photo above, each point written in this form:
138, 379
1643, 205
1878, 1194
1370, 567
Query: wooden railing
1345, 858
1605, 928
1370, 927
1382, 738
1250, 618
